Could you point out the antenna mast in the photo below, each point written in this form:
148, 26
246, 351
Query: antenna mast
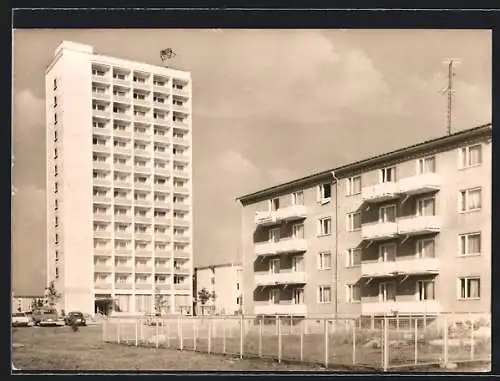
449, 91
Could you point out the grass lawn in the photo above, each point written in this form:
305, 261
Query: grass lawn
58, 348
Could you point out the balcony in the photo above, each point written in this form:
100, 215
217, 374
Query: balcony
161, 121
162, 253
120, 183
142, 152
182, 286
161, 237
144, 170
103, 131
123, 218
182, 270
126, 99
103, 286
181, 190
143, 269
380, 192
123, 201
123, 167
126, 133
122, 116
162, 269
181, 238
102, 250
102, 199
289, 277
101, 148
143, 286
142, 219
122, 150
106, 182
123, 268
123, 252
181, 174
266, 218
101, 95
125, 80
184, 109
143, 202
104, 78
142, 85
418, 266
104, 217
100, 268
104, 113
181, 158
142, 185
101, 165
161, 138
419, 225
143, 135
182, 92
162, 220
379, 230
280, 309
143, 236
162, 154
143, 252
162, 105
182, 254
425, 183
292, 245
102, 234
181, 222
183, 142
123, 286
145, 118
163, 286
401, 307
162, 187
162, 204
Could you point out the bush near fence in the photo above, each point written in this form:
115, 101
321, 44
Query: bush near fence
376, 343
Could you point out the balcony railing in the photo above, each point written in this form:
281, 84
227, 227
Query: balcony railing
280, 309
99, 268
401, 307
102, 181
123, 252
145, 170
379, 230
123, 218
182, 254
102, 217
181, 158
101, 78
181, 190
289, 277
162, 269
123, 201
181, 286
122, 150
419, 225
181, 238
290, 213
103, 285
102, 234
163, 286
123, 268
143, 269
162, 237
380, 192
143, 286
181, 206
142, 186
123, 286
162, 253
143, 236
142, 202
292, 245
101, 148
162, 220
144, 219
105, 113
419, 184
127, 133
162, 138
181, 222
101, 165
122, 116
123, 167
101, 95
102, 199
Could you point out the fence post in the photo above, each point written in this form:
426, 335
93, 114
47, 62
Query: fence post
241, 337
168, 333
325, 339
385, 350
260, 336
141, 337
103, 329
354, 342
416, 341
209, 334
137, 332
118, 331
445, 340
472, 341
279, 340
156, 332
162, 327
180, 331
224, 338
302, 323
194, 334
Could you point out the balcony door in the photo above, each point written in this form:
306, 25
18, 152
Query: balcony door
298, 231
274, 204
298, 296
388, 175
298, 263
387, 214
425, 248
387, 252
387, 292
274, 235
426, 207
274, 296
274, 266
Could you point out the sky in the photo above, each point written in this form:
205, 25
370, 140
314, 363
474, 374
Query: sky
269, 106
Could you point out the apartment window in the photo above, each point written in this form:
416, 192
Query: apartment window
298, 231
55, 153
237, 286
274, 204
55, 83
387, 214
469, 288
56, 187
353, 257
353, 186
425, 248
56, 221
387, 252
298, 296
274, 266
298, 263
55, 118
470, 199
324, 192
470, 244
324, 260
388, 175
387, 291
57, 272
298, 198
55, 101
470, 156
426, 207
55, 170
325, 226
57, 255
426, 290
56, 204
274, 296
353, 293
353, 221
55, 136
426, 165
324, 294
274, 235
56, 239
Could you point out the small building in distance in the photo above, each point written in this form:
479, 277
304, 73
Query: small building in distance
223, 281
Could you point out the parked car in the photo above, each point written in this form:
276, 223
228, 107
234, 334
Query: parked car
21, 319
76, 317
45, 316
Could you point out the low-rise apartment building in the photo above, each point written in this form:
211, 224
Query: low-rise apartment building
407, 232
223, 281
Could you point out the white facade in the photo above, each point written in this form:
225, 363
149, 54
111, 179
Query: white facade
225, 281
119, 182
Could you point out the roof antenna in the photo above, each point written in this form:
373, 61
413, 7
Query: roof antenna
449, 90
167, 54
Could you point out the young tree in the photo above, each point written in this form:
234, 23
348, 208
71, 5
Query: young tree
204, 296
160, 302
52, 295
